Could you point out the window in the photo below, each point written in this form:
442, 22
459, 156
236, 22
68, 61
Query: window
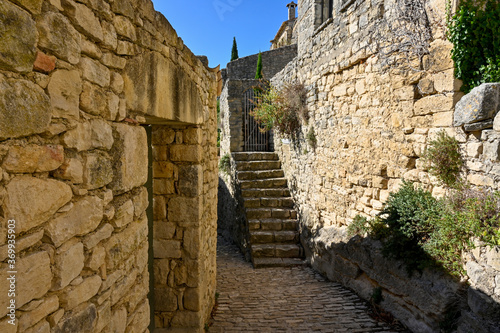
324, 11
327, 9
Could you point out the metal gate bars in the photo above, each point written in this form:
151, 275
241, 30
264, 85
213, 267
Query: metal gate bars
255, 139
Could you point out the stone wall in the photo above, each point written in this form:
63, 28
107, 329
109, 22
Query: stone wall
272, 62
184, 244
75, 86
232, 103
372, 125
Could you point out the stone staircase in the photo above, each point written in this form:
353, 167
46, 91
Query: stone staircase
272, 219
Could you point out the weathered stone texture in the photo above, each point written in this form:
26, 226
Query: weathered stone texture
34, 278
57, 35
17, 51
68, 263
30, 209
482, 103
33, 158
130, 157
74, 162
83, 218
24, 109
64, 90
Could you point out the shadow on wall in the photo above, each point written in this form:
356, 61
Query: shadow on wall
429, 300
231, 222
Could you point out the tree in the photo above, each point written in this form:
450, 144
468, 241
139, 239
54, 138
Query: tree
258, 73
234, 51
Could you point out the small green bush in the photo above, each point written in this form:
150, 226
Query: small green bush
225, 163
281, 110
444, 160
424, 231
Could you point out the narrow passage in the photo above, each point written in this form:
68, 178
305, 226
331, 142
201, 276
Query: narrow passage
293, 299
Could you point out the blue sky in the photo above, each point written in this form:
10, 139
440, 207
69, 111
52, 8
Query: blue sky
207, 27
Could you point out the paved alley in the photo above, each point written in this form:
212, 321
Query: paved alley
283, 300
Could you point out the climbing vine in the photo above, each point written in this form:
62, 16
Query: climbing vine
475, 33
404, 35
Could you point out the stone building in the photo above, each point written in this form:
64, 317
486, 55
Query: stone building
107, 170
373, 107
286, 34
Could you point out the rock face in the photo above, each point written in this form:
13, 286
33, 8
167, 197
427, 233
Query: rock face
482, 103
60, 37
64, 89
24, 109
84, 217
30, 209
33, 159
17, 51
74, 163
130, 157
34, 279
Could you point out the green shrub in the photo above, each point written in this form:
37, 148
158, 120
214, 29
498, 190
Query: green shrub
424, 231
281, 109
225, 163
408, 215
475, 33
444, 159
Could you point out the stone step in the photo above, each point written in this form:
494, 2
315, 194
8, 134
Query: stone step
258, 165
255, 156
264, 183
270, 193
277, 262
251, 202
273, 224
282, 237
268, 213
277, 250
265, 174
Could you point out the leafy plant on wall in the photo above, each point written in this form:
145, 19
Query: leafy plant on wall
475, 33
281, 109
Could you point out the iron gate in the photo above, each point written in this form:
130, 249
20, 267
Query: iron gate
255, 139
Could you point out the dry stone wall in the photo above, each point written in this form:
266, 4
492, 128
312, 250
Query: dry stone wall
272, 62
372, 124
184, 244
77, 79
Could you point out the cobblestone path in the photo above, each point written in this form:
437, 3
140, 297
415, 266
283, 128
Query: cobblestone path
283, 300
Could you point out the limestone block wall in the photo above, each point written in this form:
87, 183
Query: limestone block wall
232, 114
77, 79
184, 244
272, 62
372, 124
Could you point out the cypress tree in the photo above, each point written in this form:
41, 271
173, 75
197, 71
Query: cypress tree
234, 51
258, 73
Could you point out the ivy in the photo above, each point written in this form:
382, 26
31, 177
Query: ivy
475, 33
